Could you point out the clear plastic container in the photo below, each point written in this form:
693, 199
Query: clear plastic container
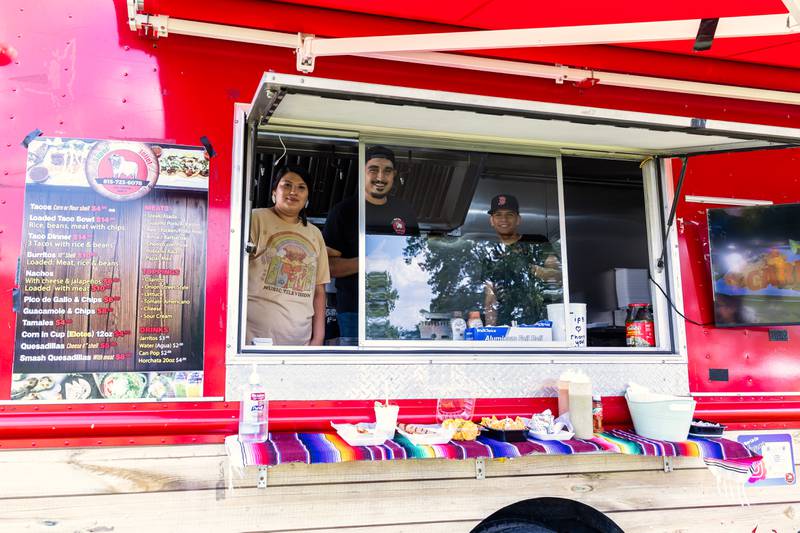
253, 411
580, 406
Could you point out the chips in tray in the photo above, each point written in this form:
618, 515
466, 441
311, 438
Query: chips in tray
465, 429
503, 424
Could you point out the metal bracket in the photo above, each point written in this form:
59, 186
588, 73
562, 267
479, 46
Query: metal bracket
480, 468
668, 466
262, 477
305, 53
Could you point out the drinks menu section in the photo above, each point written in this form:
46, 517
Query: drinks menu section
112, 271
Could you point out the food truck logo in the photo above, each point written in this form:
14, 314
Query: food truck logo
122, 171
399, 226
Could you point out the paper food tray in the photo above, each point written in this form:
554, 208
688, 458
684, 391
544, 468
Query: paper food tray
351, 436
561, 435
441, 436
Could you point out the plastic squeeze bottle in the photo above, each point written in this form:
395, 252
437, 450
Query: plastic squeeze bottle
253, 411
457, 326
563, 391
580, 405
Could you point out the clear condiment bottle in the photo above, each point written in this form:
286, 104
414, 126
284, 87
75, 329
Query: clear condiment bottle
580, 405
597, 413
253, 411
474, 320
457, 326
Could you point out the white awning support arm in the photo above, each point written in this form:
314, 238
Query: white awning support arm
637, 32
156, 26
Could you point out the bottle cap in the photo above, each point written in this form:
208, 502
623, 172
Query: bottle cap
456, 314
596, 398
474, 314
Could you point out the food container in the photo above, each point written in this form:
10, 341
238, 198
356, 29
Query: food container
543, 435
436, 434
361, 434
662, 419
705, 429
386, 417
505, 435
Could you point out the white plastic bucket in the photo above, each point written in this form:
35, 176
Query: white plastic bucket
662, 420
575, 332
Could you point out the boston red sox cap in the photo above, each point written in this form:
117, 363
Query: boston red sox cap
504, 201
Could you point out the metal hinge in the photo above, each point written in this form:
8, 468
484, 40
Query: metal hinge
262, 477
668, 466
480, 468
304, 52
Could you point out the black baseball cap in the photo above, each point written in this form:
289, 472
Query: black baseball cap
381, 152
504, 201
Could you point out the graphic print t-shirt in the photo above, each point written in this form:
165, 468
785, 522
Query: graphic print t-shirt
288, 262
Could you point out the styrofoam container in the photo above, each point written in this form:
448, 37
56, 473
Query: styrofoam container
662, 419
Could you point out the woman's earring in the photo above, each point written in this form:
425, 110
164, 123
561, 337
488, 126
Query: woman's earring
306, 204
273, 199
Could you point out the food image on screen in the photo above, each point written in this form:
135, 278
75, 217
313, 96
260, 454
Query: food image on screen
755, 264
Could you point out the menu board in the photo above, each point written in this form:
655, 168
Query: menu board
112, 271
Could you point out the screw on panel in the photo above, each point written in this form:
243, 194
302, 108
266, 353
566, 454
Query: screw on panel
480, 468
262, 477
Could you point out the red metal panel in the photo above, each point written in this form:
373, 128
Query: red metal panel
81, 72
755, 364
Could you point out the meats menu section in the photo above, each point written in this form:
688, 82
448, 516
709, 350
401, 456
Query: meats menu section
112, 271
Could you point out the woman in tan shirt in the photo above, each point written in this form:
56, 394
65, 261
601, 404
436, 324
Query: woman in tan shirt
288, 268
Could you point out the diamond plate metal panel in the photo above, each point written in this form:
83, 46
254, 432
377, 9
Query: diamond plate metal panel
435, 380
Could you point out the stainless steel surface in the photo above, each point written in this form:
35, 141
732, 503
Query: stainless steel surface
365, 381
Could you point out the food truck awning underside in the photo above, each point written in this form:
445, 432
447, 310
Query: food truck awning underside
395, 112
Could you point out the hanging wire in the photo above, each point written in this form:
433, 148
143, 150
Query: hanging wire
275, 164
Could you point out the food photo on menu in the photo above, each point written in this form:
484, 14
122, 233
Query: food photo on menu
107, 386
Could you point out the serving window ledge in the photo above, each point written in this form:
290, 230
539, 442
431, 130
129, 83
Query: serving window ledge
320, 448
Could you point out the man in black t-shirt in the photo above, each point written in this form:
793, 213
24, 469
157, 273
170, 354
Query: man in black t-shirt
383, 215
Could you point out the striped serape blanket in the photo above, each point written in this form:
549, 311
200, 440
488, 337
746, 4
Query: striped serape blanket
314, 448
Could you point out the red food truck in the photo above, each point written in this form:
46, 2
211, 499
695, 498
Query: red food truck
477, 194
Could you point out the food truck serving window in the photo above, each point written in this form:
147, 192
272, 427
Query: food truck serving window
373, 220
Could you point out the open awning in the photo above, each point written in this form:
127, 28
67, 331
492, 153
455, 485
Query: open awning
285, 100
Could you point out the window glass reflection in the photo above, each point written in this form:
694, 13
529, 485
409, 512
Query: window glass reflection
487, 252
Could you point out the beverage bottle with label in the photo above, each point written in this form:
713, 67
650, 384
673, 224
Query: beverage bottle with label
597, 413
253, 411
474, 320
457, 326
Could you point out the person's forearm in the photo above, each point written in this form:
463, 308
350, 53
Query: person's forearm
341, 266
318, 322
489, 305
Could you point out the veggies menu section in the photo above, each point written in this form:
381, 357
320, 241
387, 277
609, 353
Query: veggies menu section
112, 272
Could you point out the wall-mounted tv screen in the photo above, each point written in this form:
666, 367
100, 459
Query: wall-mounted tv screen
755, 264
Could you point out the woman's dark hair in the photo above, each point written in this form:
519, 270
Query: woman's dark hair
300, 171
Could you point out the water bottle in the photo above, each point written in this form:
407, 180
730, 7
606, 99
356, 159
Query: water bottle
457, 326
253, 411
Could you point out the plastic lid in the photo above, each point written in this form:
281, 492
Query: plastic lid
596, 398
254, 377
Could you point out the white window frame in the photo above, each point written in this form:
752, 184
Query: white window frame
409, 351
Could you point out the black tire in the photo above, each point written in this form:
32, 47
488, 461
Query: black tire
511, 526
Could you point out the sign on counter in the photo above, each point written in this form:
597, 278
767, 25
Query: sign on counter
778, 457
112, 271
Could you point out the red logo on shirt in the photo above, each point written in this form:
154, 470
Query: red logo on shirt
399, 226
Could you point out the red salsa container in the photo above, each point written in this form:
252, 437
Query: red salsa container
639, 329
